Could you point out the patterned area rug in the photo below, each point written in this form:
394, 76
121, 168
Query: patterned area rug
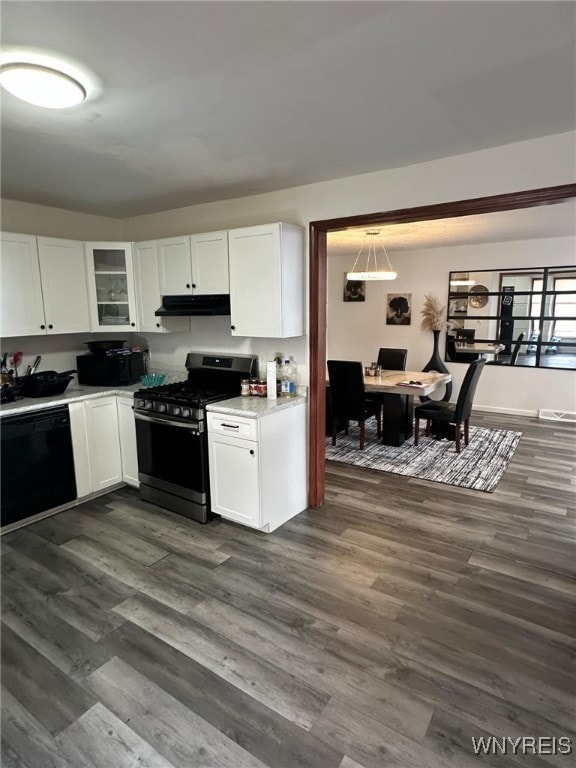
479, 466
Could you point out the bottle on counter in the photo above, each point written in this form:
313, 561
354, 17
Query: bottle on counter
279, 363
287, 379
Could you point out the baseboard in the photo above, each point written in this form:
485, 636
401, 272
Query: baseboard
568, 416
509, 411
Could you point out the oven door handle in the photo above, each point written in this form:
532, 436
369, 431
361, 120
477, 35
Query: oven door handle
197, 426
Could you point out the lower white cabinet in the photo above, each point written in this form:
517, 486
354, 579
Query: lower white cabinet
127, 432
104, 443
235, 479
258, 465
80, 449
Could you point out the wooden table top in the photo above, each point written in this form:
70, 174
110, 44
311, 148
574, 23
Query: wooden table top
393, 382
479, 348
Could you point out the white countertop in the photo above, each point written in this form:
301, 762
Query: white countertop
254, 407
74, 393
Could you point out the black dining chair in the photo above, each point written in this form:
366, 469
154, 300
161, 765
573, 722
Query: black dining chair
392, 359
515, 352
348, 397
454, 413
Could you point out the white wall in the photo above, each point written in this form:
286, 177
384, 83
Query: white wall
548, 161
356, 330
29, 219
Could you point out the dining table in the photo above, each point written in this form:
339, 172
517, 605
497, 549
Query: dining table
479, 348
398, 389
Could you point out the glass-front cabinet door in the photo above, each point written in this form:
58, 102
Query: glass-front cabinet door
111, 286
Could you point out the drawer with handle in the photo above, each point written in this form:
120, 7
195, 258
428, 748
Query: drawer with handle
236, 426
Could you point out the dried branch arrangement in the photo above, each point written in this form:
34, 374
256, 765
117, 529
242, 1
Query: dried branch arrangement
433, 314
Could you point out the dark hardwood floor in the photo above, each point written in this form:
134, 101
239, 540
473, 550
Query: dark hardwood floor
384, 630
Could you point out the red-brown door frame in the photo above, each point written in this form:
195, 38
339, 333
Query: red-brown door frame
318, 271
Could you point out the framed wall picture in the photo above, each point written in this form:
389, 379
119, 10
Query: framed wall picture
354, 290
398, 309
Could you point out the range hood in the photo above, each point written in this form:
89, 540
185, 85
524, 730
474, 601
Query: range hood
187, 305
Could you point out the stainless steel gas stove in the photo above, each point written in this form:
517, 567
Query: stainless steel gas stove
171, 431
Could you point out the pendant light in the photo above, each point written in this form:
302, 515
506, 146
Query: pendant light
461, 278
370, 244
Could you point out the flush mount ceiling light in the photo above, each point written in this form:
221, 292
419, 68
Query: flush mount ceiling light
370, 243
42, 86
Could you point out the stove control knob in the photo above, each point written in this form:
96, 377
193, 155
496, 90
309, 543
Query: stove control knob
150, 405
141, 403
161, 408
177, 411
186, 413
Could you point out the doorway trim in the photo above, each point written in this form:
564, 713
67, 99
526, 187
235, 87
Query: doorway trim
318, 231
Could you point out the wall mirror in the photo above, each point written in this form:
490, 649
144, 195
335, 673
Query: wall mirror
524, 317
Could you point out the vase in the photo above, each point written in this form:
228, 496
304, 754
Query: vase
437, 364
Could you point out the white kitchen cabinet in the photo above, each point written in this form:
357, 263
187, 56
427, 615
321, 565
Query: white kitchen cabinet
258, 465
103, 443
43, 286
209, 254
64, 285
111, 286
267, 280
22, 309
80, 451
127, 431
235, 479
148, 294
105, 458
195, 264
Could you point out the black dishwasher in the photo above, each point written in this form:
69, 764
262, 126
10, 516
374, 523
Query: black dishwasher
37, 463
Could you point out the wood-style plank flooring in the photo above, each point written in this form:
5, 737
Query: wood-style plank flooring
383, 631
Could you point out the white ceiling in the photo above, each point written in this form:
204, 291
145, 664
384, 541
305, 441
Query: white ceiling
523, 224
200, 101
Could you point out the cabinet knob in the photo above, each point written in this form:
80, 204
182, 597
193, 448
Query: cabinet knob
187, 285
43, 327
50, 326
132, 324
251, 453
233, 327
157, 325
193, 285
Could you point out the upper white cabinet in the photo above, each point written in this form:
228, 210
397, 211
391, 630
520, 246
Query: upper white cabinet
43, 286
22, 309
196, 264
209, 253
174, 266
148, 295
64, 285
267, 280
111, 286
147, 285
